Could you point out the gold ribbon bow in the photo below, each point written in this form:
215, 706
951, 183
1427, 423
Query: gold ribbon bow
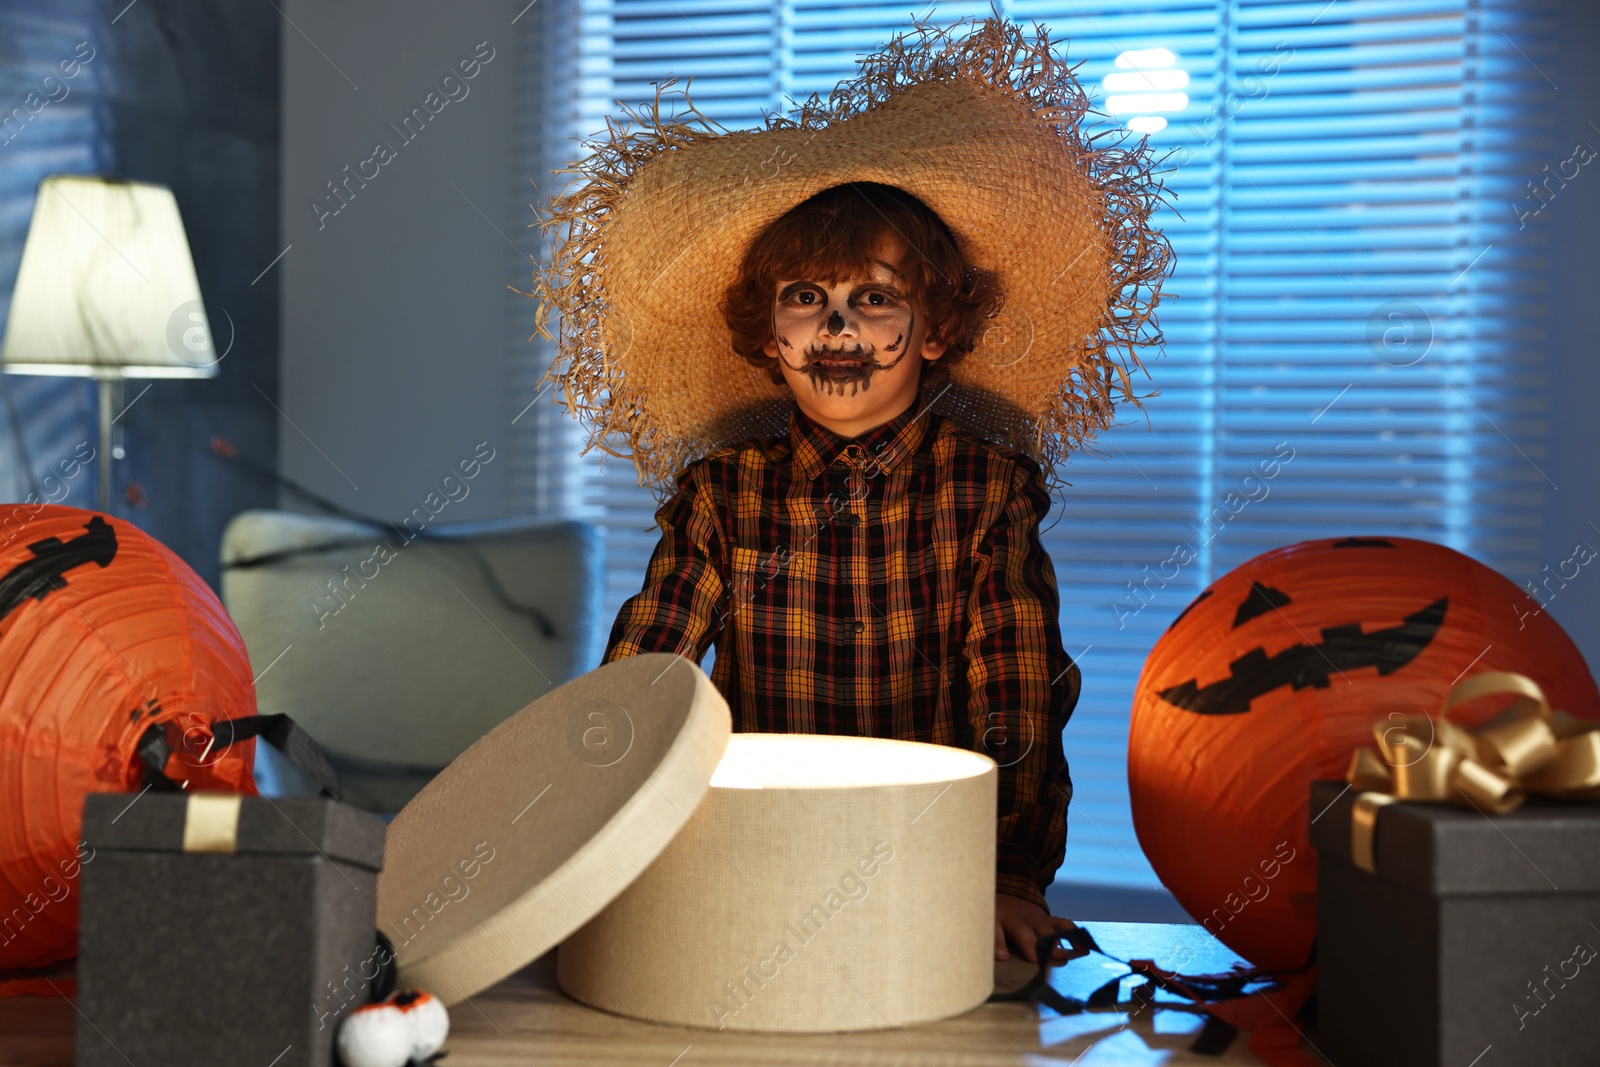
1526, 748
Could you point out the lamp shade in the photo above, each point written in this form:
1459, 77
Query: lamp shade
106, 287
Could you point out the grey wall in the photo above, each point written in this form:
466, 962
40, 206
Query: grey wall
396, 316
193, 105
1572, 513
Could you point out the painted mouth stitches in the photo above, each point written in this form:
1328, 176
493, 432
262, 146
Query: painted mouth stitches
831, 370
841, 358
841, 367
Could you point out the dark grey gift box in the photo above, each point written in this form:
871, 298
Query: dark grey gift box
246, 957
1475, 942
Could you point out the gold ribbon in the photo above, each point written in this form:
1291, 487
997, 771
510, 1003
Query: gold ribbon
1526, 748
211, 822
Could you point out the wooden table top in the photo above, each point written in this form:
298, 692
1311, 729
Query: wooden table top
526, 1020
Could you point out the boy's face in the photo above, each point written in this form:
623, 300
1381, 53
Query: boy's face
852, 351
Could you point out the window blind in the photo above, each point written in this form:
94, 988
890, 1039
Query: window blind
48, 124
1356, 306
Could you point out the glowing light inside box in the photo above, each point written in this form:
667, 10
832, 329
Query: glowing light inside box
823, 761
1144, 85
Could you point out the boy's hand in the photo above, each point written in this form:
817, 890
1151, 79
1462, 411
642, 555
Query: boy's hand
1021, 923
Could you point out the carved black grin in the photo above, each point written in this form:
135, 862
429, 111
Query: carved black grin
1342, 648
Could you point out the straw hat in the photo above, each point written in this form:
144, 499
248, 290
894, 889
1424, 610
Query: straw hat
977, 121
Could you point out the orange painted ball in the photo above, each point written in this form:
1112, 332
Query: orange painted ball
1269, 680
104, 634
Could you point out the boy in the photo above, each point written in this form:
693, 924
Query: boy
917, 602
767, 320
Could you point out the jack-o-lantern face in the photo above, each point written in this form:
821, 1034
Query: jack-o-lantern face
105, 635
49, 560
1343, 647
1272, 676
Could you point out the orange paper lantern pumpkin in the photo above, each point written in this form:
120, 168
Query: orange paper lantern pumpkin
1272, 676
104, 634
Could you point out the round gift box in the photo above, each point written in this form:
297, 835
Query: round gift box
824, 884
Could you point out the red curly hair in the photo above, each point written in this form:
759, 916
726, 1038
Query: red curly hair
831, 236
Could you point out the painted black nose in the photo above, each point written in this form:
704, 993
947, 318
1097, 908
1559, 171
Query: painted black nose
836, 323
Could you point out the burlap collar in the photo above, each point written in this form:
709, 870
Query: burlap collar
880, 450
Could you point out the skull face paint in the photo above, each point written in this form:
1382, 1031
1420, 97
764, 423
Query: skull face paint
852, 349
843, 333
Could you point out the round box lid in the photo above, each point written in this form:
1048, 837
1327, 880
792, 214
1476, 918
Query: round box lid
539, 825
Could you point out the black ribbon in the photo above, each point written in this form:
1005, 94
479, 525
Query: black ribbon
1215, 1036
1038, 988
383, 982
280, 731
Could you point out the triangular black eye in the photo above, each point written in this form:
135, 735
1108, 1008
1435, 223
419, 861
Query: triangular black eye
1262, 599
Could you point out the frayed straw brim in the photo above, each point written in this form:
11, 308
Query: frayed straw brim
983, 127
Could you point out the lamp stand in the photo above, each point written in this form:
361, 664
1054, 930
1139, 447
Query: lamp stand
105, 445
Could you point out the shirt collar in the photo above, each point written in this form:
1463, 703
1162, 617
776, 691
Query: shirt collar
882, 447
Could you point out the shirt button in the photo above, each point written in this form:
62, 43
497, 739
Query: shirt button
859, 626
850, 519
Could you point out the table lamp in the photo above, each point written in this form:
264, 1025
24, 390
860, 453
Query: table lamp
107, 290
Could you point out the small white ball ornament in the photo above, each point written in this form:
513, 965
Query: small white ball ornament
407, 1027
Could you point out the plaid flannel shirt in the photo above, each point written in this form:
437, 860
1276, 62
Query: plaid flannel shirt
892, 585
